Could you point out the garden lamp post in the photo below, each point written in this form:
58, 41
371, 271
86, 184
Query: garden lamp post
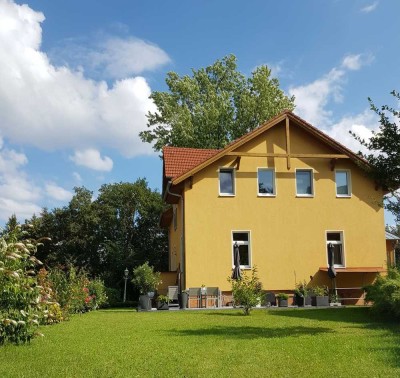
126, 273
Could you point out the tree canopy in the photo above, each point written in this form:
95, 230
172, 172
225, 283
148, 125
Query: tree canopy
118, 229
213, 106
384, 156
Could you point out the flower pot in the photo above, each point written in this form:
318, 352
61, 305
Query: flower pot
282, 302
162, 306
144, 302
183, 300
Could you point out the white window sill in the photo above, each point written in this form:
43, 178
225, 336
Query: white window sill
343, 195
304, 195
266, 195
226, 195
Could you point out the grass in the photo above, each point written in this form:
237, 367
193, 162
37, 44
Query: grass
116, 343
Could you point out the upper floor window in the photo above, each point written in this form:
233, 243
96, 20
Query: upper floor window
304, 183
226, 182
343, 184
266, 182
334, 239
242, 239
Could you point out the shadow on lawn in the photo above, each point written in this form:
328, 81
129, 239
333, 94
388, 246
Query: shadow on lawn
252, 332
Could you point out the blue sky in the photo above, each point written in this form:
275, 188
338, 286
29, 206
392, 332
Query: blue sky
75, 77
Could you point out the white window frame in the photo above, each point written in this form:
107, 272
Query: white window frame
233, 182
273, 182
341, 242
312, 183
348, 183
241, 242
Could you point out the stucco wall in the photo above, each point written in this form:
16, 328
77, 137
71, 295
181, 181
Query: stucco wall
288, 234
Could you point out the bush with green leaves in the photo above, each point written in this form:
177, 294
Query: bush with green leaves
75, 292
145, 278
23, 303
247, 291
384, 293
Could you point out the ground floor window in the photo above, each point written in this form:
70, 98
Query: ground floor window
242, 239
335, 238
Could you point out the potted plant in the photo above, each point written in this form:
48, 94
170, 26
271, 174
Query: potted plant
183, 298
320, 297
302, 294
334, 300
282, 299
162, 302
146, 280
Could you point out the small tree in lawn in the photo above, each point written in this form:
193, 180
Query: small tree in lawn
247, 291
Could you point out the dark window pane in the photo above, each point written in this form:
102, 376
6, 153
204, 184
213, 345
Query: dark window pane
338, 258
335, 236
244, 254
226, 181
303, 182
265, 181
240, 236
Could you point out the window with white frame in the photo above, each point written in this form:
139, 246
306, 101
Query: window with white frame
226, 182
304, 183
242, 239
336, 239
343, 183
266, 182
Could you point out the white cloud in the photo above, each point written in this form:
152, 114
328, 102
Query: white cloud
361, 124
57, 192
77, 177
312, 99
60, 108
118, 57
18, 194
370, 8
92, 159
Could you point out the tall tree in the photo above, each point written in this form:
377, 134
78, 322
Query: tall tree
116, 230
384, 156
214, 106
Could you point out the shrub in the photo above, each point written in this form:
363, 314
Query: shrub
23, 303
97, 293
145, 279
247, 291
283, 296
385, 294
113, 297
301, 289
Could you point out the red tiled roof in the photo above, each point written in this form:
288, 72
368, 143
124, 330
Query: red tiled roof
179, 160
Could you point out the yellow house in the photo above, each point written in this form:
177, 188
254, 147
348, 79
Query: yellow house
282, 192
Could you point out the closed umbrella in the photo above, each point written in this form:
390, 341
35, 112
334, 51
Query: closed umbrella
331, 261
331, 269
236, 274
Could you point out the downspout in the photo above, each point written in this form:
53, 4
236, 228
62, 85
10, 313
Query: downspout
182, 246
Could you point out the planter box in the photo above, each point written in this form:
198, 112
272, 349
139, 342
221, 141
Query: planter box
162, 306
282, 302
303, 301
322, 301
183, 300
144, 303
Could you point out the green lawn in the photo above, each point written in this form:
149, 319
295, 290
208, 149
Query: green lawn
124, 343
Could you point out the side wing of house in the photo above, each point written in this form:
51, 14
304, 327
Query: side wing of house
283, 195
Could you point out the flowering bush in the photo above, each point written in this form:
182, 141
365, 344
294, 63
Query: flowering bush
75, 292
23, 302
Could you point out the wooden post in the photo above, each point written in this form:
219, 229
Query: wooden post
288, 143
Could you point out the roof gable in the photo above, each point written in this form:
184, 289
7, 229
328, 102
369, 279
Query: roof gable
192, 160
